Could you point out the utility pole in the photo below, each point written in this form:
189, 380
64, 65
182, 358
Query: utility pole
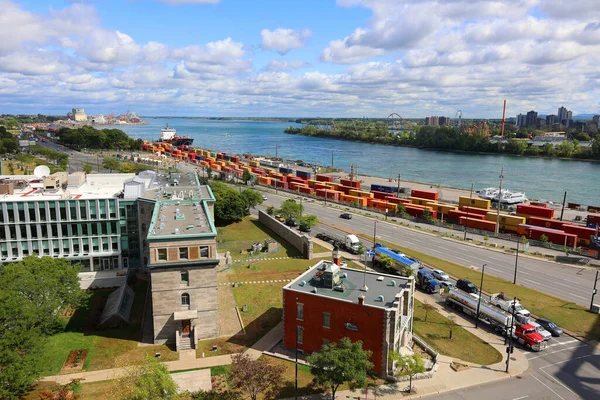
516, 260
398, 184
594, 291
467, 221
562, 210
510, 347
499, 202
480, 294
331, 159
276, 151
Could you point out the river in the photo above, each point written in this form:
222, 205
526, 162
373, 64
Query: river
539, 178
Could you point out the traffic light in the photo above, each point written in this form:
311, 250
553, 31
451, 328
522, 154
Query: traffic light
510, 349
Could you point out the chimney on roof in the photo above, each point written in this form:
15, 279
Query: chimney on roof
336, 256
361, 300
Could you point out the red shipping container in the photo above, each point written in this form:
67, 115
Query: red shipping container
346, 189
379, 195
535, 211
547, 223
397, 200
352, 184
417, 211
323, 178
477, 224
318, 186
281, 184
538, 204
474, 210
454, 215
554, 236
583, 233
307, 190
423, 194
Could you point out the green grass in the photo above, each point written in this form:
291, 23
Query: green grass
564, 313
107, 347
317, 248
463, 345
268, 270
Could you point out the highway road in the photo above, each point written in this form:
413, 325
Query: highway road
568, 282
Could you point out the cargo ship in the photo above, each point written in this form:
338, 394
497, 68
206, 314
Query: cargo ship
169, 135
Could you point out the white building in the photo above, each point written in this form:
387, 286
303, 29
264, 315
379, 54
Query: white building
79, 114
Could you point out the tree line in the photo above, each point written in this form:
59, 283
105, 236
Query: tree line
452, 139
8, 142
87, 137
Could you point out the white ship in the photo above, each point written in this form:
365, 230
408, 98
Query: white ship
507, 196
167, 133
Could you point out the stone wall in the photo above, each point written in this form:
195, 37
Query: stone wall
303, 243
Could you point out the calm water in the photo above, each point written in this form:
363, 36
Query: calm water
538, 178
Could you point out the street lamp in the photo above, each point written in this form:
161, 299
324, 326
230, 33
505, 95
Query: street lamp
298, 328
479, 300
516, 260
374, 237
594, 291
510, 347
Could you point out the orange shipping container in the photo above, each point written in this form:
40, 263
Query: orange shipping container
477, 224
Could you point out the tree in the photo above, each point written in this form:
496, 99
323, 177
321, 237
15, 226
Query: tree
252, 198
451, 322
428, 307
255, 376
111, 164
87, 168
215, 395
402, 210
230, 206
341, 362
289, 209
271, 210
247, 176
32, 292
544, 239
427, 216
147, 381
386, 262
408, 366
308, 221
61, 392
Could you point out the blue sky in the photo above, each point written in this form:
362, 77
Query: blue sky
300, 58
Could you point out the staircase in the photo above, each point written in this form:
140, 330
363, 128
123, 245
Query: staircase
185, 343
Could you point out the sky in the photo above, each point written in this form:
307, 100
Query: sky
292, 58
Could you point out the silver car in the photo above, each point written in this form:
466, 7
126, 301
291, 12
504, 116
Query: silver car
541, 330
440, 275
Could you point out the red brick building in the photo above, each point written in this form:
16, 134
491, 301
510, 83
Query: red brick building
329, 302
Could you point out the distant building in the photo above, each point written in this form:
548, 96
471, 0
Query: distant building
551, 120
78, 114
432, 121
444, 121
596, 119
521, 120
329, 302
565, 117
541, 123
531, 119
562, 113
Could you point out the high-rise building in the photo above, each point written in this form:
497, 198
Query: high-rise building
531, 119
432, 121
562, 113
109, 223
79, 114
551, 120
521, 120
596, 119
444, 121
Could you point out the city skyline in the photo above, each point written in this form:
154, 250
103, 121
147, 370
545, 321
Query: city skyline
349, 58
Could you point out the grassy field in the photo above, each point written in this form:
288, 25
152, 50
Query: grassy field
268, 270
463, 345
566, 314
317, 248
107, 348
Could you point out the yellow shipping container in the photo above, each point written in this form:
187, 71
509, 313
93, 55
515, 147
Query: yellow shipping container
360, 193
505, 219
441, 208
474, 202
419, 201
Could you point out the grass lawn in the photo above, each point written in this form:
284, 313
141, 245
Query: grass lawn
107, 347
566, 314
271, 269
239, 236
463, 345
317, 248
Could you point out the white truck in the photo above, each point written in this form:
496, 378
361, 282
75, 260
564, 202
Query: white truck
349, 242
506, 304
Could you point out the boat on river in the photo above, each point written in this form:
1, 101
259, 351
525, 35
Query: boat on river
169, 135
507, 196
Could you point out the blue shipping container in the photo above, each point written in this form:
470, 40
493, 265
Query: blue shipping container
303, 174
284, 170
227, 158
384, 188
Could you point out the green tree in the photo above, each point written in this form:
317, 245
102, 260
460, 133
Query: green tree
111, 164
402, 210
385, 262
87, 168
427, 307
271, 210
339, 363
308, 221
289, 209
229, 206
247, 176
147, 381
255, 376
408, 366
427, 216
252, 198
544, 239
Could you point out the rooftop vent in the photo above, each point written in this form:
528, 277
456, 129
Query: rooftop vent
179, 216
162, 226
380, 298
177, 231
392, 283
302, 283
314, 290
379, 278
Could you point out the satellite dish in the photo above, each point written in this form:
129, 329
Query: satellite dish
41, 171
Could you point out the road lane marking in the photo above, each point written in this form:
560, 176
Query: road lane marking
549, 388
522, 397
529, 280
552, 378
557, 351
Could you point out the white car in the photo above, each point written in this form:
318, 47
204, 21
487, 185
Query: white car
541, 330
440, 275
264, 197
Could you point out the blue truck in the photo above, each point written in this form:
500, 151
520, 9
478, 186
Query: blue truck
400, 260
427, 282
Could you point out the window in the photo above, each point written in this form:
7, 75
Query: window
185, 300
299, 334
326, 320
183, 253
162, 254
300, 311
203, 251
185, 278
325, 342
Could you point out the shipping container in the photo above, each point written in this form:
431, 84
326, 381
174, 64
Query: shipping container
296, 185
537, 203
360, 193
417, 211
345, 189
454, 216
593, 220
353, 184
384, 188
397, 200
513, 220
583, 233
474, 210
323, 178
442, 209
329, 194
379, 195
474, 202
303, 174
477, 224
284, 170
361, 201
419, 201
547, 223
536, 211
424, 194
254, 163
554, 236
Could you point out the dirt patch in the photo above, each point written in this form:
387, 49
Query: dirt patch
219, 383
75, 360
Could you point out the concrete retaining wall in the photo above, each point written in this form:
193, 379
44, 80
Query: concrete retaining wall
303, 243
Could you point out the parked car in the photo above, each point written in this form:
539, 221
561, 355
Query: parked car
540, 329
291, 222
550, 326
304, 228
346, 216
265, 197
446, 285
440, 275
466, 285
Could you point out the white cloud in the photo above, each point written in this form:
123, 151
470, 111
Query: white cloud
281, 65
284, 40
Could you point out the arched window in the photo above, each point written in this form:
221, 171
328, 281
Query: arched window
185, 278
185, 300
